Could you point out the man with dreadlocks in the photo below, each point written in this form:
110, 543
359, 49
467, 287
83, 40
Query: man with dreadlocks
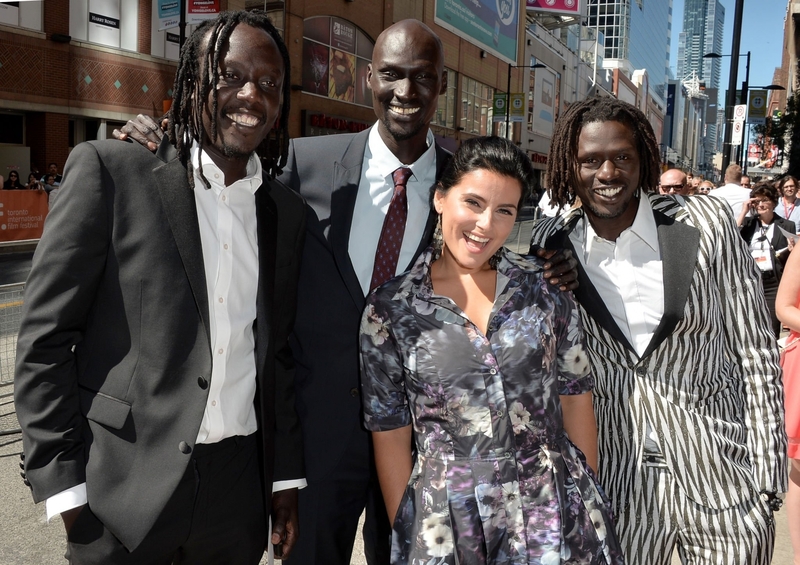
154, 380
688, 391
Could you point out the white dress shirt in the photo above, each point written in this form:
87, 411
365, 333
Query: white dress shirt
629, 276
734, 195
372, 203
228, 235
790, 212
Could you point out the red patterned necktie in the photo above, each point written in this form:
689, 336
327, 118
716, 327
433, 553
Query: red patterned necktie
394, 226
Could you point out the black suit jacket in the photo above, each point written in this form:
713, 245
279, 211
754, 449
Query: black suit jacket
327, 171
114, 354
777, 243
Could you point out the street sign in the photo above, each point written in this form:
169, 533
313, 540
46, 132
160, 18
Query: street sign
757, 107
738, 128
739, 112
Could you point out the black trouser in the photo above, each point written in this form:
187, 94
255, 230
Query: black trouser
215, 516
329, 510
770, 283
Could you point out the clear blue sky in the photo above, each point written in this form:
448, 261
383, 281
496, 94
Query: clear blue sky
762, 35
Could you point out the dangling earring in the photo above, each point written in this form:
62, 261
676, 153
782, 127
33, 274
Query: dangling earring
438, 240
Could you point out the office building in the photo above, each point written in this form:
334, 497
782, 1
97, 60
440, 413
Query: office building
637, 36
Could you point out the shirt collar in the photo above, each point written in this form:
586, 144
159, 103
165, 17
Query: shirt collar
385, 162
251, 182
643, 227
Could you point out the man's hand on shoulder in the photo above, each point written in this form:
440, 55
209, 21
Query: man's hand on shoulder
560, 268
284, 522
143, 130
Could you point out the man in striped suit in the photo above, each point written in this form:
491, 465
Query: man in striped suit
688, 396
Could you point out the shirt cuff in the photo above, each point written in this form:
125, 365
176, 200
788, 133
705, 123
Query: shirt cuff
66, 500
286, 485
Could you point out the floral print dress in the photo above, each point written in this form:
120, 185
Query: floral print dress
496, 480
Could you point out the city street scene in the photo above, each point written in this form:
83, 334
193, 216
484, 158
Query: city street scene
282, 254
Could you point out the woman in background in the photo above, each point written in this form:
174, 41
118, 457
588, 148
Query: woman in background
485, 360
768, 244
13, 182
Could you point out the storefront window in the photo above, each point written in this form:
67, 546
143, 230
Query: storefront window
113, 23
446, 109
22, 14
335, 58
476, 106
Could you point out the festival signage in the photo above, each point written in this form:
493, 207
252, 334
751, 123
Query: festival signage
492, 25
566, 7
22, 214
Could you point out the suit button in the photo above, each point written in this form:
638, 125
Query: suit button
184, 447
354, 392
202, 383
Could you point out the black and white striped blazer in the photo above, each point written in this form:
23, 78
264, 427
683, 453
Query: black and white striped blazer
709, 381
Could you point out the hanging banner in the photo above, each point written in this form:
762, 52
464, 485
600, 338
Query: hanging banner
169, 14
499, 107
199, 10
22, 214
544, 97
757, 107
568, 7
517, 107
492, 25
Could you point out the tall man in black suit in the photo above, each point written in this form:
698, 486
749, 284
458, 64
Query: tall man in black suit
347, 182
154, 379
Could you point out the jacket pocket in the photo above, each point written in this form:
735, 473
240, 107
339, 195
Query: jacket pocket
104, 409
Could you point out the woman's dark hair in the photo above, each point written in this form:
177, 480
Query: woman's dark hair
495, 154
786, 179
562, 163
765, 189
32, 174
197, 75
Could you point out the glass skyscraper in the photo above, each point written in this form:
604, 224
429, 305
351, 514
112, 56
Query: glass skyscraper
637, 36
703, 23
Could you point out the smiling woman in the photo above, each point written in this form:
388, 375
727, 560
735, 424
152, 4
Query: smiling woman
486, 361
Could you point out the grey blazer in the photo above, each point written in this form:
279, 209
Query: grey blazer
114, 354
327, 170
709, 381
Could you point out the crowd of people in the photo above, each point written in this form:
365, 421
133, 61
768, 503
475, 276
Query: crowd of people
305, 330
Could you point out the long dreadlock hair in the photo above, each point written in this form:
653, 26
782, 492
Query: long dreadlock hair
562, 164
198, 73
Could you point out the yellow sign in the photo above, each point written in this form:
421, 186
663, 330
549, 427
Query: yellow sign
757, 107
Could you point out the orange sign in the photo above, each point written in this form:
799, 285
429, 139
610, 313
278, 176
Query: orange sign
22, 214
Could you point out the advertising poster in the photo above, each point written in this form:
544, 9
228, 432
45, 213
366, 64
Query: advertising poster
104, 22
169, 14
315, 71
567, 7
492, 25
544, 97
341, 77
22, 214
9, 13
199, 10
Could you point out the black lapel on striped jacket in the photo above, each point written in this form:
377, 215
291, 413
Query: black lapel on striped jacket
586, 294
678, 243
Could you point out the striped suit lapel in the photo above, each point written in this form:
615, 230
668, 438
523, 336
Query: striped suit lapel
678, 243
